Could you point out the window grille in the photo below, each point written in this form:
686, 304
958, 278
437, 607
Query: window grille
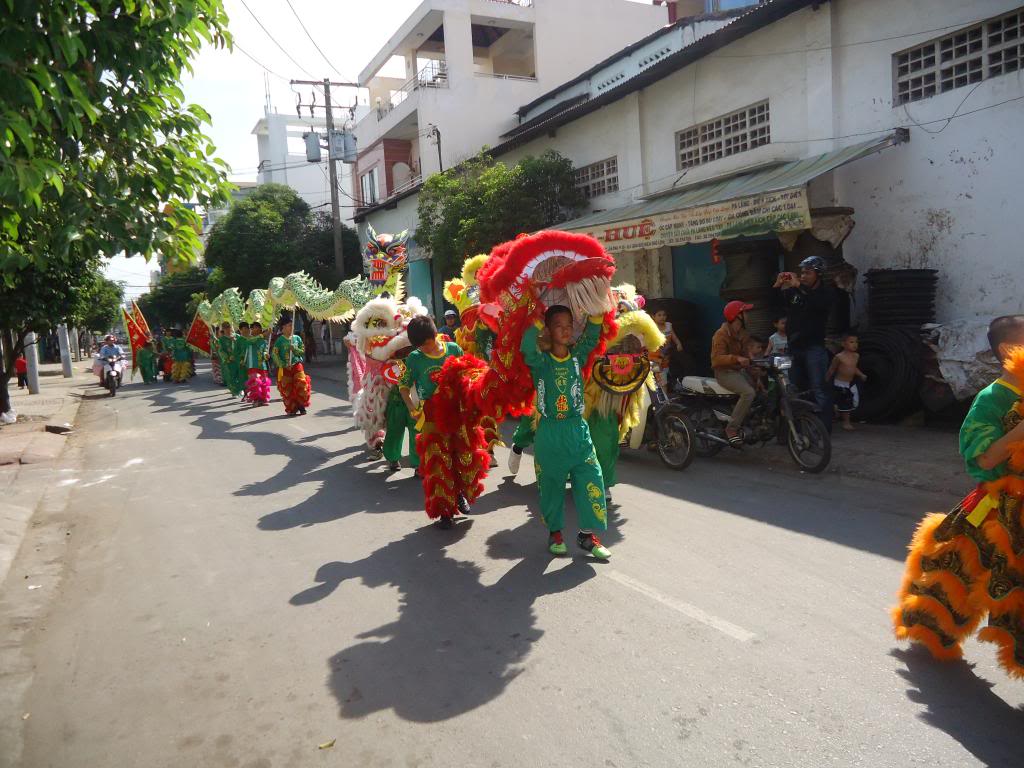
967, 56
727, 135
598, 178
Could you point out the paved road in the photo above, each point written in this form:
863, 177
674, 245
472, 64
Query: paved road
221, 586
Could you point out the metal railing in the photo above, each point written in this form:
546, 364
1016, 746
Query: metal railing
412, 182
433, 75
520, 3
499, 76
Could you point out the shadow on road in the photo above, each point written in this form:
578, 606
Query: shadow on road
964, 706
457, 643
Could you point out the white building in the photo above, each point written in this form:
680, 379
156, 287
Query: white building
282, 152
468, 64
795, 116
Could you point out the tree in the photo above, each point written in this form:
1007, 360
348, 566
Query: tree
272, 233
99, 153
168, 303
479, 204
97, 304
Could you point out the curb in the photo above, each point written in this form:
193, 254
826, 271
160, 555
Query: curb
64, 420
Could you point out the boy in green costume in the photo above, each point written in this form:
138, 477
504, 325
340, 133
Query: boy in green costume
399, 421
147, 362
240, 345
563, 445
228, 361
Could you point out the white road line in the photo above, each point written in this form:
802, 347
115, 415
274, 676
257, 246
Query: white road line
692, 611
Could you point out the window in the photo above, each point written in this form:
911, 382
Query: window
727, 135
368, 186
598, 178
989, 49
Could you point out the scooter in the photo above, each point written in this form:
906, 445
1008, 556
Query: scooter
113, 373
779, 414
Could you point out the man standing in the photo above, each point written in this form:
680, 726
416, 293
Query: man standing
728, 360
808, 304
451, 322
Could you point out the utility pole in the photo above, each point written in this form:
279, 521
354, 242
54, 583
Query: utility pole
65, 350
339, 258
436, 133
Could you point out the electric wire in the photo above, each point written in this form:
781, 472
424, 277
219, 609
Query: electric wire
268, 70
324, 55
274, 40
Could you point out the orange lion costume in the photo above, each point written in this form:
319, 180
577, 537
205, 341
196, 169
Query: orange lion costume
969, 563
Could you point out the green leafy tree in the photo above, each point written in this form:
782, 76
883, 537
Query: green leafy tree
272, 233
169, 303
99, 153
97, 304
481, 203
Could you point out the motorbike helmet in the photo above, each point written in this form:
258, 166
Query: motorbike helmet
734, 309
813, 262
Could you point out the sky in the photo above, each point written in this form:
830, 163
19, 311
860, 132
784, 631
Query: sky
231, 87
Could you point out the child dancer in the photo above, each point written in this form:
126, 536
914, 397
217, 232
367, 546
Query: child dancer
563, 444
292, 382
443, 491
257, 388
181, 360
228, 361
240, 349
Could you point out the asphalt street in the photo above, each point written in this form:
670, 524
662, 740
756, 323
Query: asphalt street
215, 585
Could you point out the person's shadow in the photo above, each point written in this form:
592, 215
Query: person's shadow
457, 643
964, 706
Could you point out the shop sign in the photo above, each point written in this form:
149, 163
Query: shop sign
755, 215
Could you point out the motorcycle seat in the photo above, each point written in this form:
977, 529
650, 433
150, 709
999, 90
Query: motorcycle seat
704, 385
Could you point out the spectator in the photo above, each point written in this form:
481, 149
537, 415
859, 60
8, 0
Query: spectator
757, 376
451, 322
729, 360
844, 373
310, 343
21, 368
778, 342
808, 304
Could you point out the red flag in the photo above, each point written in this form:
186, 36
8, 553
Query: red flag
136, 337
140, 319
199, 335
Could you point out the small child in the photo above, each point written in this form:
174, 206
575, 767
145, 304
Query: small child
755, 350
844, 372
778, 342
21, 368
421, 366
563, 444
257, 388
664, 355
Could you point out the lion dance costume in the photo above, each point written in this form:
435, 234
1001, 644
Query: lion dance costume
970, 562
617, 391
518, 280
294, 385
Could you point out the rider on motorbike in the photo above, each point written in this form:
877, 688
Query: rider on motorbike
110, 348
728, 359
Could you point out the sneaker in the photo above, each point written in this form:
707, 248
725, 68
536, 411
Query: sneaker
394, 466
556, 545
445, 523
463, 505
302, 411
515, 458
590, 543
376, 454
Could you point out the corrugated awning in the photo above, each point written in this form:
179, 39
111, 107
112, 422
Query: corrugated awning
770, 200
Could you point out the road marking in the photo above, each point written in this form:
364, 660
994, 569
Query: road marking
132, 462
692, 611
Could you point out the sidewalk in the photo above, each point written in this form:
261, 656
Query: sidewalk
915, 457
37, 436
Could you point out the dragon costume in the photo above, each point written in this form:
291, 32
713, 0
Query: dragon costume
616, 393
518, 280
969, 563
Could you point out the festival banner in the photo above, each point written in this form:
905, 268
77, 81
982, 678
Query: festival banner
136, 337
199, 335
140, 319
745, 216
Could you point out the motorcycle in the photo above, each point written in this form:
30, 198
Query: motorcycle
663, 424
113, 373
780, 413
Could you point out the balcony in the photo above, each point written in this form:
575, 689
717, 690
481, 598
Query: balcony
433, 75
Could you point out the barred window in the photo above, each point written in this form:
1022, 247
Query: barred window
989, 49
727, 135
598, 178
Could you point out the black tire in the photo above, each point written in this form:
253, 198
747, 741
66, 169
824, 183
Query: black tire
815, 455
112, 384
676, 439
704, 418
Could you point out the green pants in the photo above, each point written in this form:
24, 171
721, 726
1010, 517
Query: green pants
564, 449
604, 431
525, 433
399, 421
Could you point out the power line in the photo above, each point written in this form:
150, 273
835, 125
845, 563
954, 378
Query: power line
258, 63
273, 40
298, 19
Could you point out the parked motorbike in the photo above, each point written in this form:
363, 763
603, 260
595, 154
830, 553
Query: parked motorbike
113, 371
778, 414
